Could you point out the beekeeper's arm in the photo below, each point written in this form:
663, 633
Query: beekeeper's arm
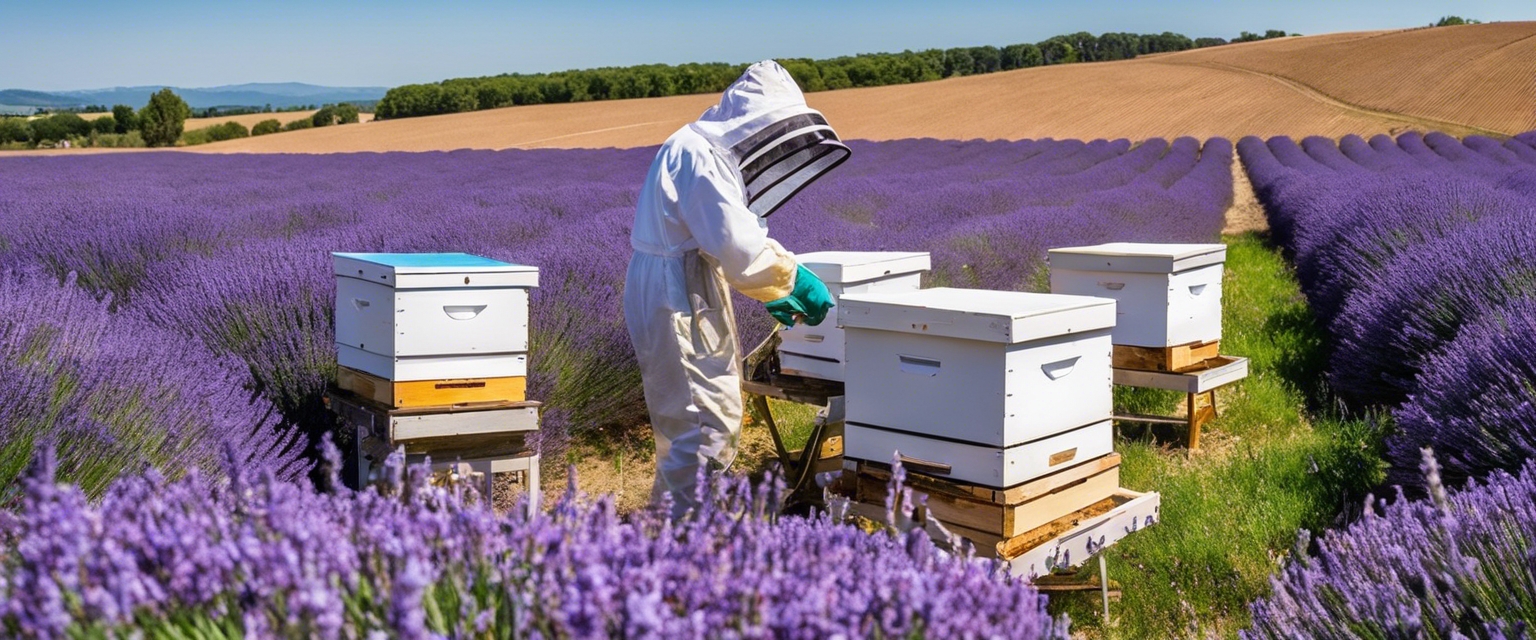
717, 216
754, 264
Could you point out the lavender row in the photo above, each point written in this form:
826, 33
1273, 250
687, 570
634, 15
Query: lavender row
1454, 566
1419, 255
260, 557
233, 250
124, 391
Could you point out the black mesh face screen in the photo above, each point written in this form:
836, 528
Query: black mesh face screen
777, 184
754, 143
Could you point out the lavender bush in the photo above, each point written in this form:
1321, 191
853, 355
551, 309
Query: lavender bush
1476, 400
1423, 297
232, 250
1454, 566
266, 558
124, 391
1409, 250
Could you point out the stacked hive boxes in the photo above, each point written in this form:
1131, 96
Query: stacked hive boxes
1168, 296
433, 351
817, 352
999, 404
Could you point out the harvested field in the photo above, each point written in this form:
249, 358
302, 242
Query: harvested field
250, 119
1478, 76
1472, 79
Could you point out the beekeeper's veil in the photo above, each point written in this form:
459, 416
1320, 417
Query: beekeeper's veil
779, 144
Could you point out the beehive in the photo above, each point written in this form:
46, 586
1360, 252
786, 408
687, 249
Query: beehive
817, 352
432, 316
1166, 294
992, 387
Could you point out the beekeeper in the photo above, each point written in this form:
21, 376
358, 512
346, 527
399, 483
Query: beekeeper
700, 225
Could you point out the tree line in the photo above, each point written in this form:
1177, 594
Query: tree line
863, 70
161, 122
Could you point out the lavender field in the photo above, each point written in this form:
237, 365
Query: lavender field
1418, 255
166, 332
227, 257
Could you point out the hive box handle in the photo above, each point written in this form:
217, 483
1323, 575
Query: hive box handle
361, 303
1112, 286
463, 312
919, 366
811, 337
924, 466
1196, 289
1059, 369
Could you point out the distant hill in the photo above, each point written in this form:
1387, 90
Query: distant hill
255, 94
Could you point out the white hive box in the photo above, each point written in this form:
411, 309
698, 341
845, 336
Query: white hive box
432, 316
817, 352
1168, 294
998, 467
963, 372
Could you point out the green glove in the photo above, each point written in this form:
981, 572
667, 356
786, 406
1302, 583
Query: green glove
810, 299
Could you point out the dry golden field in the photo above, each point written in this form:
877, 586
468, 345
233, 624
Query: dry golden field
249, 119
1461, 80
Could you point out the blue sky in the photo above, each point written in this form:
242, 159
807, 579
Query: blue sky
82, 45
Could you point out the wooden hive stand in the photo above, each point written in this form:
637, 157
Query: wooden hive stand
473, 440
762, 380
1196, 369
1041, 528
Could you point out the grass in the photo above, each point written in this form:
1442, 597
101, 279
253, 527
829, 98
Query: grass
1273, 463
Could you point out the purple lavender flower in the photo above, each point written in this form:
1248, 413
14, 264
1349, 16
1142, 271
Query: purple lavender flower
1455, 568
111, 391
276, 558
1474, 401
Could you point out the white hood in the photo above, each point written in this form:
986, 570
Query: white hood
779, 144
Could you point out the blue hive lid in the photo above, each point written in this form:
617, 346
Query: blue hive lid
432, 262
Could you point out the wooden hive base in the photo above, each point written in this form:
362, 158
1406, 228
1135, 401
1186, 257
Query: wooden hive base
1057, 545
1179, 358
431, 393
1001, 512
991, 545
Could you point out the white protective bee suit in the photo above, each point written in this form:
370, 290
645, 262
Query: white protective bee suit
700, 227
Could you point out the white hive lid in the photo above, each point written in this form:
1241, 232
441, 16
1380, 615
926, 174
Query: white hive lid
410, 270
1138, 257
975, 314
844, 267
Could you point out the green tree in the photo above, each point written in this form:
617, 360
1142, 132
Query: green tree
1455, 21
59, 126
15, 130
1021, 56
1201, 43
347, 113
227, 131
986, 59
325, 117
1086, 46
1057, 51
301, 123
958, 62
104, 124
1118, 46
163, 119
267, 126
124, 117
